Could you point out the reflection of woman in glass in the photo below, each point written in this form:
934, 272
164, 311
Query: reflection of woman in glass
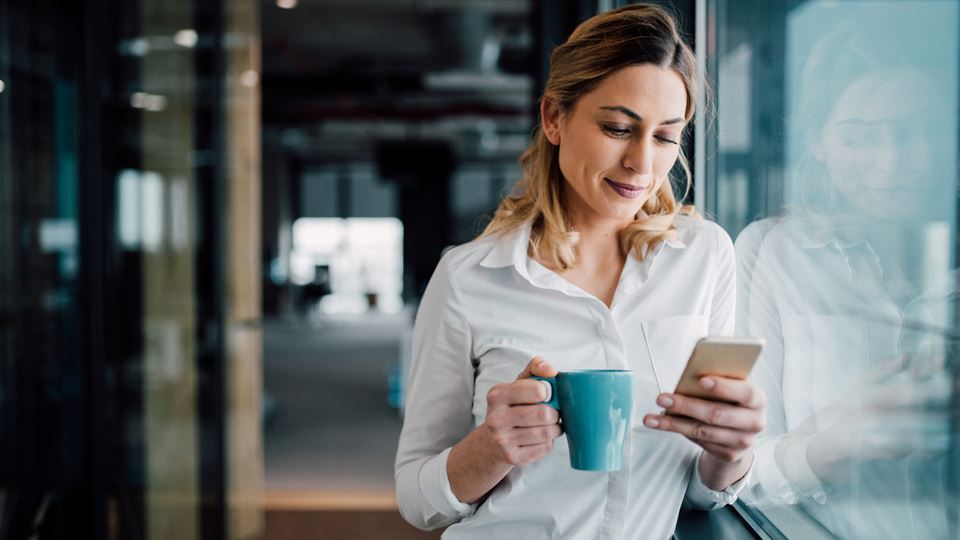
856, 430
591, 265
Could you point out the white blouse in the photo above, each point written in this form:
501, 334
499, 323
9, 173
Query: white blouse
488, 310
829, 313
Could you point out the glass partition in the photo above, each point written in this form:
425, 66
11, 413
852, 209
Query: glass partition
129, 279
836, 170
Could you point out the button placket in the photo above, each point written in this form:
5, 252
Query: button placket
616, 341
609, 331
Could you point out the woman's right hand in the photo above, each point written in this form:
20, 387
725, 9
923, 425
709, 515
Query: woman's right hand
521, 427
890, 415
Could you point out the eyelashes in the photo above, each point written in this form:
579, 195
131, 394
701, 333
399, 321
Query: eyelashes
618, 133
623, 133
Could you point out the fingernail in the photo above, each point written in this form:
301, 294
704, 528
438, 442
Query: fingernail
547, 391
665, 401
708, 383
651, 422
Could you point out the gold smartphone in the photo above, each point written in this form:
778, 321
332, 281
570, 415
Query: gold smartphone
721, 356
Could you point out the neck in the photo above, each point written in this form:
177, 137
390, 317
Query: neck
599, 242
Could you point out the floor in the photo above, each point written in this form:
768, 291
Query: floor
331, 435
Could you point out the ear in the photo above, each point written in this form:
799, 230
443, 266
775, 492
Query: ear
551, 120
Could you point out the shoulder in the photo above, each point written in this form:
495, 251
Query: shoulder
775, 238
755, 232
753, 236
470, 263
460, 274
464, 257
703, 234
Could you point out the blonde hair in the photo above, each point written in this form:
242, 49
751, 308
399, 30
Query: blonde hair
631, 35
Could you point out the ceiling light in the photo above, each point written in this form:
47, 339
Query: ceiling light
135, 47
186, 38
249, 78
286, 4
137, 100
3, 86
150, 102
155, 103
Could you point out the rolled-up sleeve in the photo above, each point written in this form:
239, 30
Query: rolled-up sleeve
438, 407
702, 497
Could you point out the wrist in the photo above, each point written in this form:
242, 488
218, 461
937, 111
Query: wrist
826, 457
718, 474
476, 465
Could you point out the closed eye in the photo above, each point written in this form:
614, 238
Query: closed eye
666, 140
618, 133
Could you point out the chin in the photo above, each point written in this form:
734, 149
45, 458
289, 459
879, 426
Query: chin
626, 215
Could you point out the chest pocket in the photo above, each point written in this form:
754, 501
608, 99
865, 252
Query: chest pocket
670, 341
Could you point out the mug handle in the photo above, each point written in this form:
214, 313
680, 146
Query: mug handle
552, 382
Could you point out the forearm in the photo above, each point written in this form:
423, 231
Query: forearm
475, 466
827, 457
719, 475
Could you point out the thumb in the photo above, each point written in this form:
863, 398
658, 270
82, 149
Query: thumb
538, 367
886, 368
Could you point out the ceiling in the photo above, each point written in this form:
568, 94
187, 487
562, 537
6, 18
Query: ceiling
341, 75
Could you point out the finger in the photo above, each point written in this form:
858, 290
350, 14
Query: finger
526, 416
929, 365
700, 432
534, 435
537, 367
886, 368
933, 393
522, 392
733, 390
525, 455
713, 412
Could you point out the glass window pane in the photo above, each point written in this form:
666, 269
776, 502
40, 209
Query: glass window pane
836, 170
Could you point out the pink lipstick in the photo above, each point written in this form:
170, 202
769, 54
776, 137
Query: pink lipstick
625, 190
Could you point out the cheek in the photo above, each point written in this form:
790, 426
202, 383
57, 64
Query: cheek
583, 156
840, 165
568, 161
664, 160
845, 169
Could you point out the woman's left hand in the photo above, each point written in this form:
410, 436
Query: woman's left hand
724, 424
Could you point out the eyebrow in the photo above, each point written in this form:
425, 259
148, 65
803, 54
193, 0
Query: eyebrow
861, 122
854, 120
635, 116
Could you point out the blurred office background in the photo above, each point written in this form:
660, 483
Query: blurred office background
217, 217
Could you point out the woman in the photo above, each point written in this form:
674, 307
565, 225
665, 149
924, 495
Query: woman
591, 265
858, 429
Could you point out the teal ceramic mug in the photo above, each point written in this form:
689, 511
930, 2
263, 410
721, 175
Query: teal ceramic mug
595, 407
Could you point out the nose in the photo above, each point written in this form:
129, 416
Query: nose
885, 161
639, 156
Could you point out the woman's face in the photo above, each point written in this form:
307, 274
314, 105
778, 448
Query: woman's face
879, 143
618, 142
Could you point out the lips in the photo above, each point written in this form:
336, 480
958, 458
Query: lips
626, 191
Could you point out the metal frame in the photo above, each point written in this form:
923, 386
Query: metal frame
700, 124
211, 269
953, 467
95, 254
